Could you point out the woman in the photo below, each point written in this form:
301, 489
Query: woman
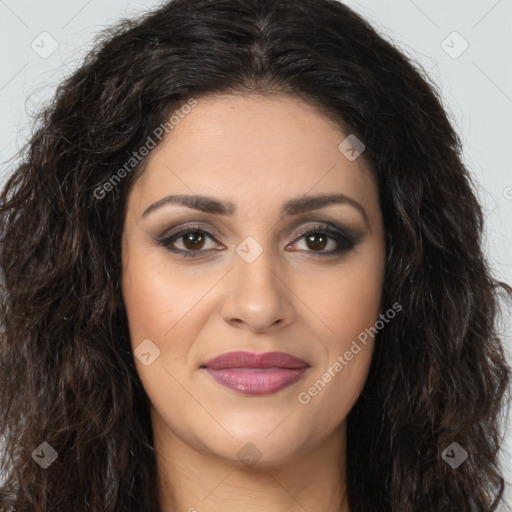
243, 270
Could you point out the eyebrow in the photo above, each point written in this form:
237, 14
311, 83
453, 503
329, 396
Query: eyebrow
291, 207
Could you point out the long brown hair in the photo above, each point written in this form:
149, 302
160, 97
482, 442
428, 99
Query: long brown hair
67, 376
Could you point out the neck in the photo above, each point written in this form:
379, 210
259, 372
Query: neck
193, 479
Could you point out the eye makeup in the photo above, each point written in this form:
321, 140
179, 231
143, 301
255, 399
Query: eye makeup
343, 239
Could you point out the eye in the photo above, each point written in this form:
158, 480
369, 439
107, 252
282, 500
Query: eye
191, 238
190, 241
317, 238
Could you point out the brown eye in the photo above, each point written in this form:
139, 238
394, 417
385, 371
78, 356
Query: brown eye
188, 241
316, 241
324, 241
193, 240
319, 241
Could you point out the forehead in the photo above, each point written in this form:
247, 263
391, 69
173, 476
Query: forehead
253, 147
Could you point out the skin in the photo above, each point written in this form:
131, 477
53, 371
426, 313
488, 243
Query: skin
257, 152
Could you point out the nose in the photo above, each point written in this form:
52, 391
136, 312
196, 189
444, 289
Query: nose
257, 296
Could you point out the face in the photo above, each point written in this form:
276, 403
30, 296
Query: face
263, 265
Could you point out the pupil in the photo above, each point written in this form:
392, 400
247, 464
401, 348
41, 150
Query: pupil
192, 239
317, 245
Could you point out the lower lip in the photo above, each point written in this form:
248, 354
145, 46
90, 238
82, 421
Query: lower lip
257, 381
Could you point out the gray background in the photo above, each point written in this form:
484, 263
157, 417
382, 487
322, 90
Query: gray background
475, 82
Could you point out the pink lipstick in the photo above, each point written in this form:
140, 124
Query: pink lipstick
256, 374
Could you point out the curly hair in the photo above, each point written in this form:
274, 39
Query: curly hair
67, 376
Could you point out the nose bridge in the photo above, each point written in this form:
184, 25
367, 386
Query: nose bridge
258, 295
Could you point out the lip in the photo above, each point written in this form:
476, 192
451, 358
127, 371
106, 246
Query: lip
241, 359
256, 374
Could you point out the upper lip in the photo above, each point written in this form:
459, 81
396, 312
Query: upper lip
240, 359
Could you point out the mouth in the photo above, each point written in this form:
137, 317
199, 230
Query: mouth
256, 374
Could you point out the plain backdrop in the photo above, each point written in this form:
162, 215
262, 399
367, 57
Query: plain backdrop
463, 45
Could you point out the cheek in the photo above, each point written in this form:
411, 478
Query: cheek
346, 301
153, 313
348, 307
149, 293
164, 306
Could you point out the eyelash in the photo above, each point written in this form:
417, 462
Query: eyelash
344, 241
